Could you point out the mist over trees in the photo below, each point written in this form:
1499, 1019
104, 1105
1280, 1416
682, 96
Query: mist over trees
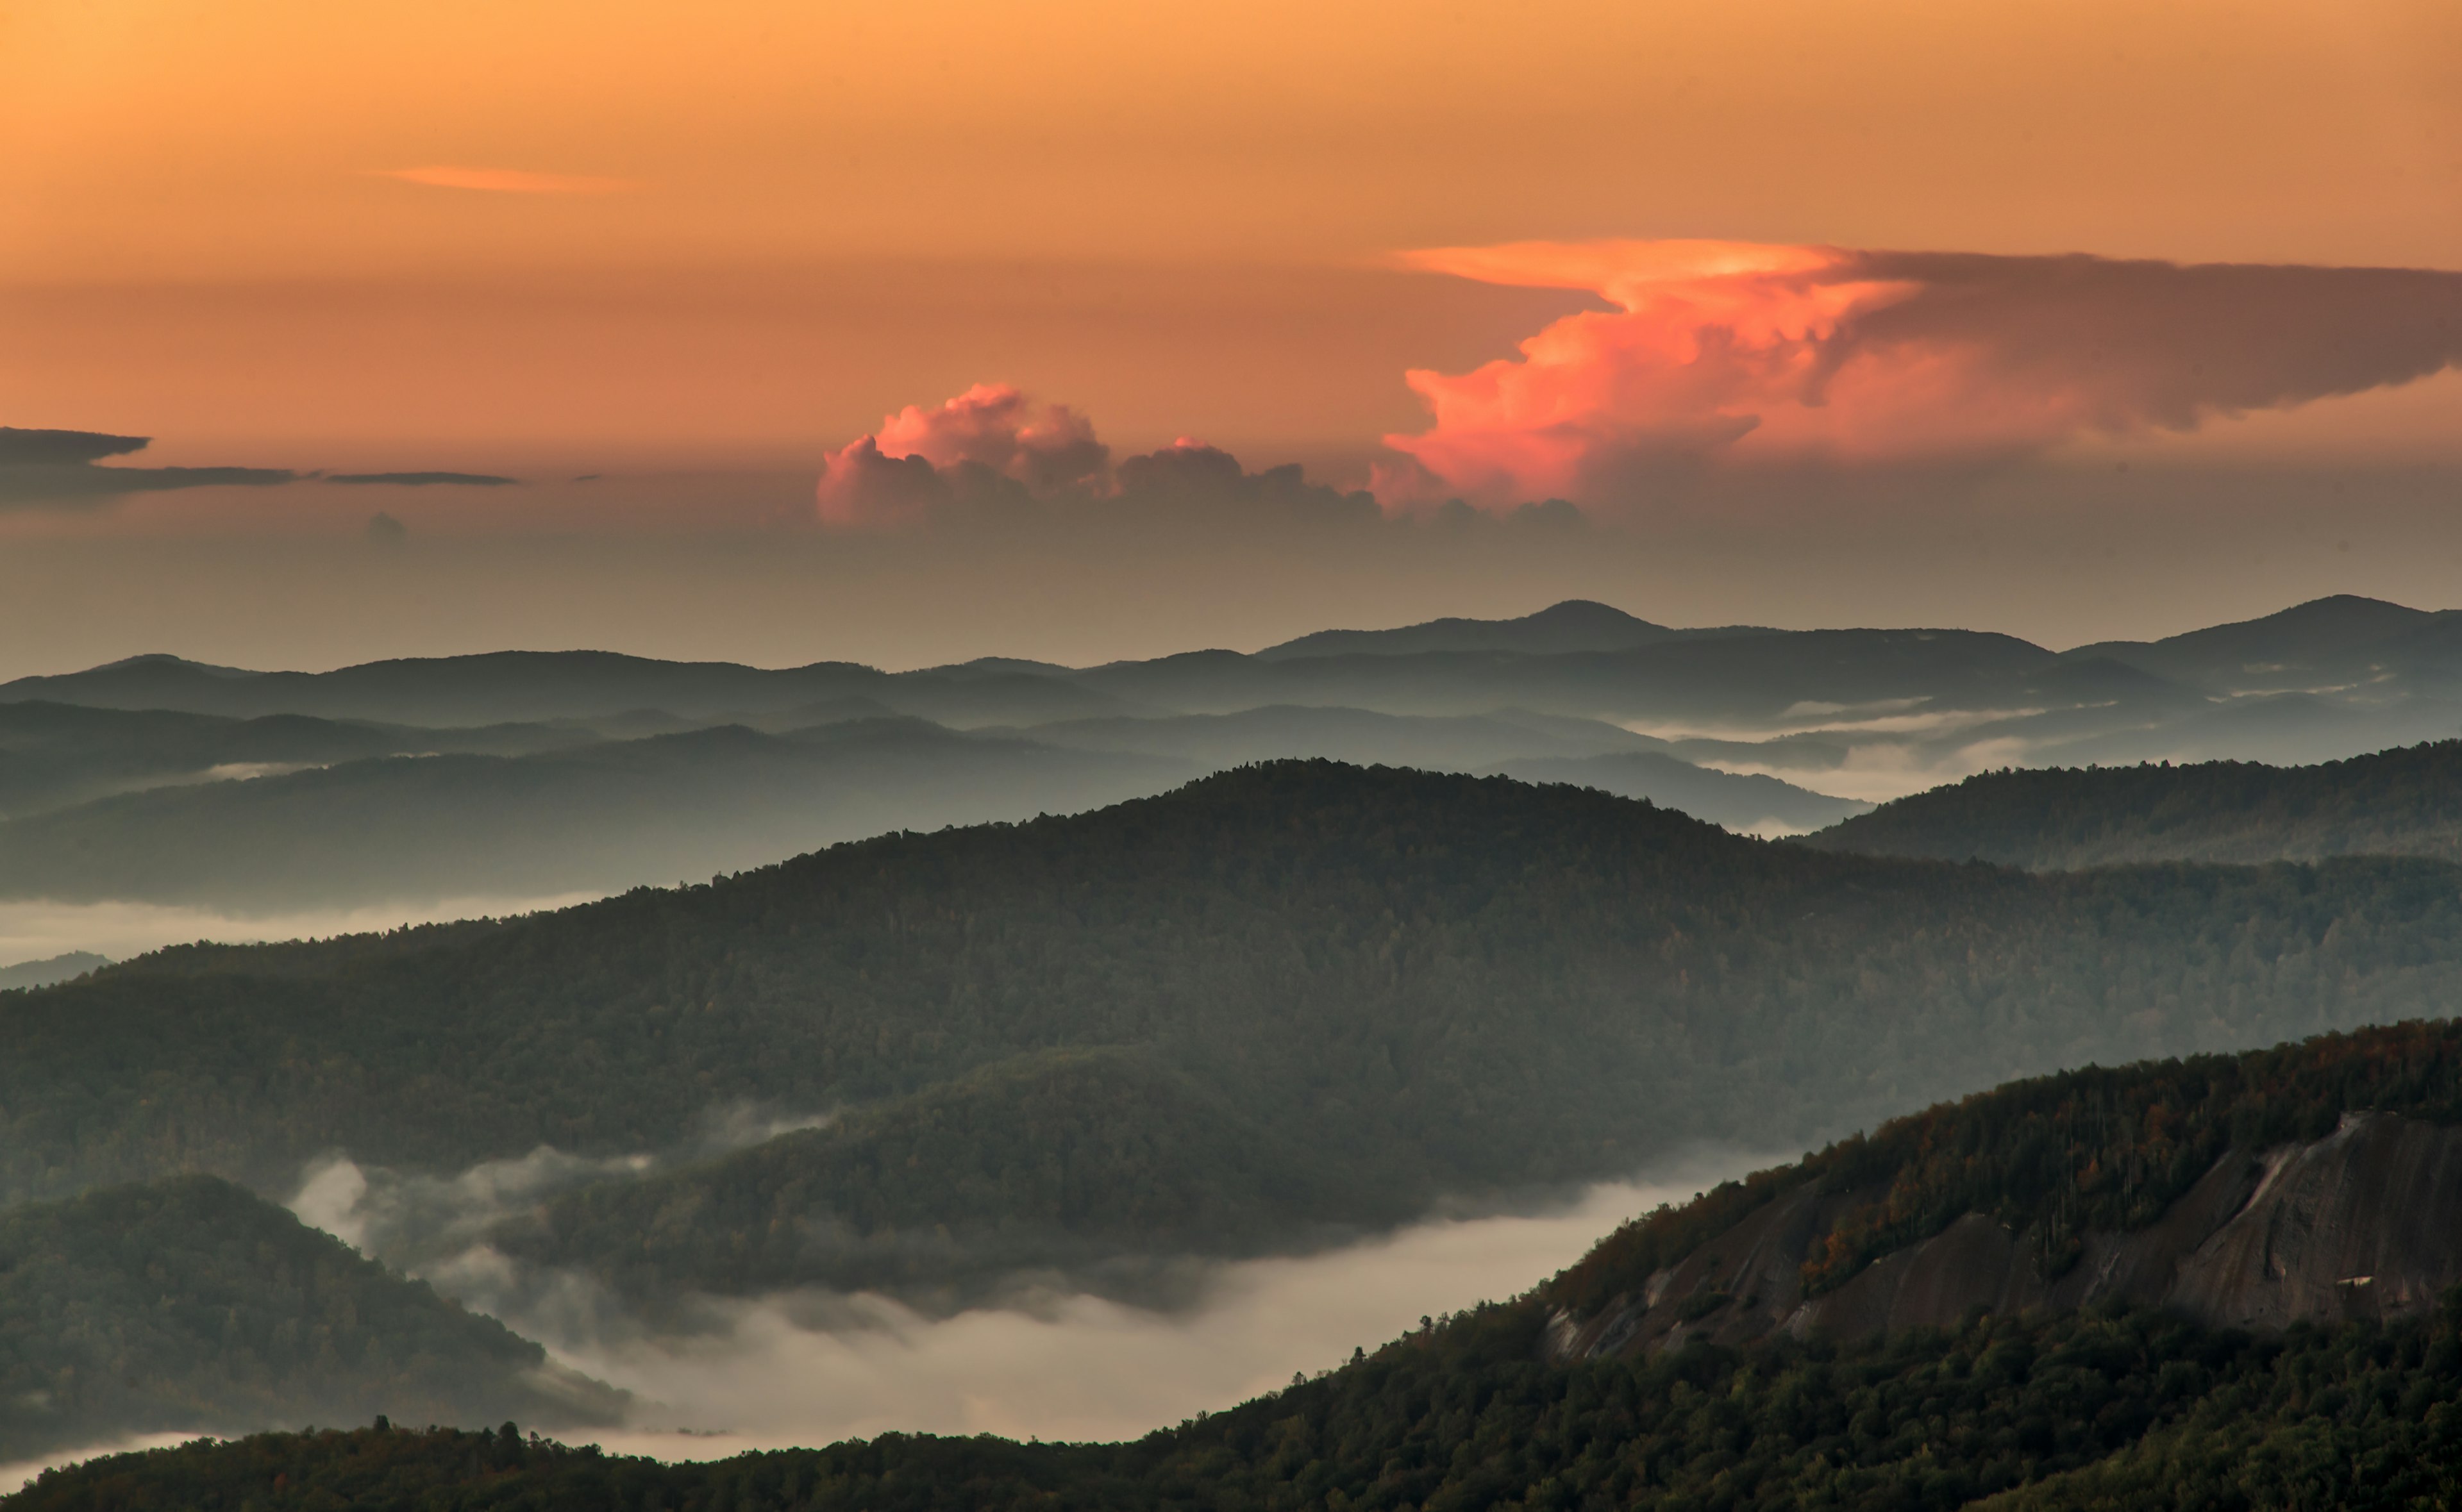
1432, 984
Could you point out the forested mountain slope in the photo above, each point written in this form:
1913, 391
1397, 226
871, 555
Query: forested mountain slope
49, 969
190, 1305
1443, 983
1104, 1163
2405, 802
1526, 1404
2116, 1412
1752, 804
2314, 1181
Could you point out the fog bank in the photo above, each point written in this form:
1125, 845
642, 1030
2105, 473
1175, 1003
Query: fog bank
811, 1369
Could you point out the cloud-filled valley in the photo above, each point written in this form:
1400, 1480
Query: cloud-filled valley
964, 1109
1529, 755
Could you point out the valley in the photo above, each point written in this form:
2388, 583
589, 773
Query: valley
1054, 1022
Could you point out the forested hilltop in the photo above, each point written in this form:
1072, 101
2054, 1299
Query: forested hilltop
2405, 802
2114, 1405
1428, 984
192, 1305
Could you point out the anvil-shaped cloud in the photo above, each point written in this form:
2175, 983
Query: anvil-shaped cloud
1736, 354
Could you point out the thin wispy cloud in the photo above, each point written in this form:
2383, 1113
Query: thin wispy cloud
506, 180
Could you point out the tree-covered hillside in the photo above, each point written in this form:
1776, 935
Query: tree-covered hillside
1440, 982
2405, 802
2108, 1149
1088, 1160
192, 1305
2112, 1411
2106, 1407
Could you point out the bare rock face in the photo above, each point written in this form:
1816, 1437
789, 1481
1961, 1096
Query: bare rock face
2363, 1224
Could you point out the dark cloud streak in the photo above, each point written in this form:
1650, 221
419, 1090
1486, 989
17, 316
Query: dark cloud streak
423, 480
57, 467
61, 468
37, 448
2168, 344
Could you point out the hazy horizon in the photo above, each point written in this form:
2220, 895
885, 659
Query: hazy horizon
2038, 570
1077, 1047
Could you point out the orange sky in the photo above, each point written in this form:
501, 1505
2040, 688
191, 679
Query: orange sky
451, 228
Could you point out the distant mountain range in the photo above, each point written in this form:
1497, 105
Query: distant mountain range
596, 817
49, 969
539, 773
1575, 625
1578, 659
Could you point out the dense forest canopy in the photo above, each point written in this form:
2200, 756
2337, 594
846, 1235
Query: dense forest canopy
190, 1304
2109, 1411
1085, 1160
2405, 802
1435, 982
2111, 1407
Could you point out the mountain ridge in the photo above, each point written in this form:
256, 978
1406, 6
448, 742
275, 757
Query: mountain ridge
1441, 984
2401, 802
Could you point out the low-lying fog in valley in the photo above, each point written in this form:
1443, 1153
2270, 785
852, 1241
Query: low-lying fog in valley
804, 1368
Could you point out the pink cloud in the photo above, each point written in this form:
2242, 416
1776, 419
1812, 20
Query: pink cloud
918, 456
995, 456
1735, 353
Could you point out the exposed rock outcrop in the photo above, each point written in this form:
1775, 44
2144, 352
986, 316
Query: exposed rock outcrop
2363, 1224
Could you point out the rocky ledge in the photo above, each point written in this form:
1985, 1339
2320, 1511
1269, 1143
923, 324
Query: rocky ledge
2365, 1222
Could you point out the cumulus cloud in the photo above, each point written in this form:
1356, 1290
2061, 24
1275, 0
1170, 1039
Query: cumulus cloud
1731, 354
995, 452
984, 446
996, 426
